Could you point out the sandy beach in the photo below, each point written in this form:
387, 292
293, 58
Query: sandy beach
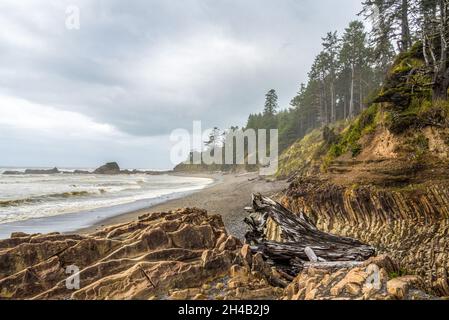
228, 197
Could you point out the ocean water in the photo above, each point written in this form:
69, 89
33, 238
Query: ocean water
37, 202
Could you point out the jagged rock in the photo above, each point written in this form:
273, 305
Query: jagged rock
231, 243
351, 283
200, 296
156, 238
109, 168
189, 237
215, 260
237, 271
39, 171
139, 260
354, 284
12, 173
186, 294
246, 254
19, 235
173, 255
258, 263
400, 287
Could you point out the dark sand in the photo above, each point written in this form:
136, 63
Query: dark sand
227, 197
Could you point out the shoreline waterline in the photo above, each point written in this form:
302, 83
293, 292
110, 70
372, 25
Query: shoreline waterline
74, 222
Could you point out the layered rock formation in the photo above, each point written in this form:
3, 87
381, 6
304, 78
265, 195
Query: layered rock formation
410, 224
158, 256
183, 254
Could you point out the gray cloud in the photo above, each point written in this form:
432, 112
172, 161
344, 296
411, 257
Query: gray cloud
148, 67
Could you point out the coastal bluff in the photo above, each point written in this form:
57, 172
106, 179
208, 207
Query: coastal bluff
181, 254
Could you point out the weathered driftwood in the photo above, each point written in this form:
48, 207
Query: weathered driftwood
311, 254
300, 238
333, 265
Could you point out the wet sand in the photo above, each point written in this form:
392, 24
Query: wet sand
228, 197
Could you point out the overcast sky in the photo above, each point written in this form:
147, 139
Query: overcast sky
136, 70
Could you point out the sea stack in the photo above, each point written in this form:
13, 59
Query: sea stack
108, 168
42, 171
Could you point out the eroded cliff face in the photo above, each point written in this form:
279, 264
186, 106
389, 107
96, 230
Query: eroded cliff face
410, 224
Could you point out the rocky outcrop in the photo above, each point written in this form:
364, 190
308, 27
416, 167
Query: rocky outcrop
182, 254
410, 224
372, 281
43, 171
159, 256
108, 168
33, 171
11, 173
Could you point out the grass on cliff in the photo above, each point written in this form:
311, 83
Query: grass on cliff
348, 140
299, 157
305, 156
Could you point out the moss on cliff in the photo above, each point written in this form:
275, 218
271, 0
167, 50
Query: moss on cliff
305, 156
403, 107
362, 125
407, 95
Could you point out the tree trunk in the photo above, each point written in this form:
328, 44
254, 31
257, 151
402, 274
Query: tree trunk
441, 77
326, 106
440, 87
351, 102
322, 120
300, 236
405, 27
345, 107
333, 111
361, 93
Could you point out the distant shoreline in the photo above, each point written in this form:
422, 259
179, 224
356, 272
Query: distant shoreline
110, 168
228, 196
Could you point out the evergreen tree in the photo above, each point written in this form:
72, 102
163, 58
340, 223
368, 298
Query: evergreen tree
393, 18
353, 57
215, 139
434, 23
271, 103
380, 37
331, 48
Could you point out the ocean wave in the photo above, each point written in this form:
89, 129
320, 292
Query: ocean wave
47, 197
24, 201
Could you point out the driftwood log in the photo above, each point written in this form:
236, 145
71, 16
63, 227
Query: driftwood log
302, 245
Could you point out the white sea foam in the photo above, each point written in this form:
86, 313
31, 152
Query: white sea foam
25, 197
